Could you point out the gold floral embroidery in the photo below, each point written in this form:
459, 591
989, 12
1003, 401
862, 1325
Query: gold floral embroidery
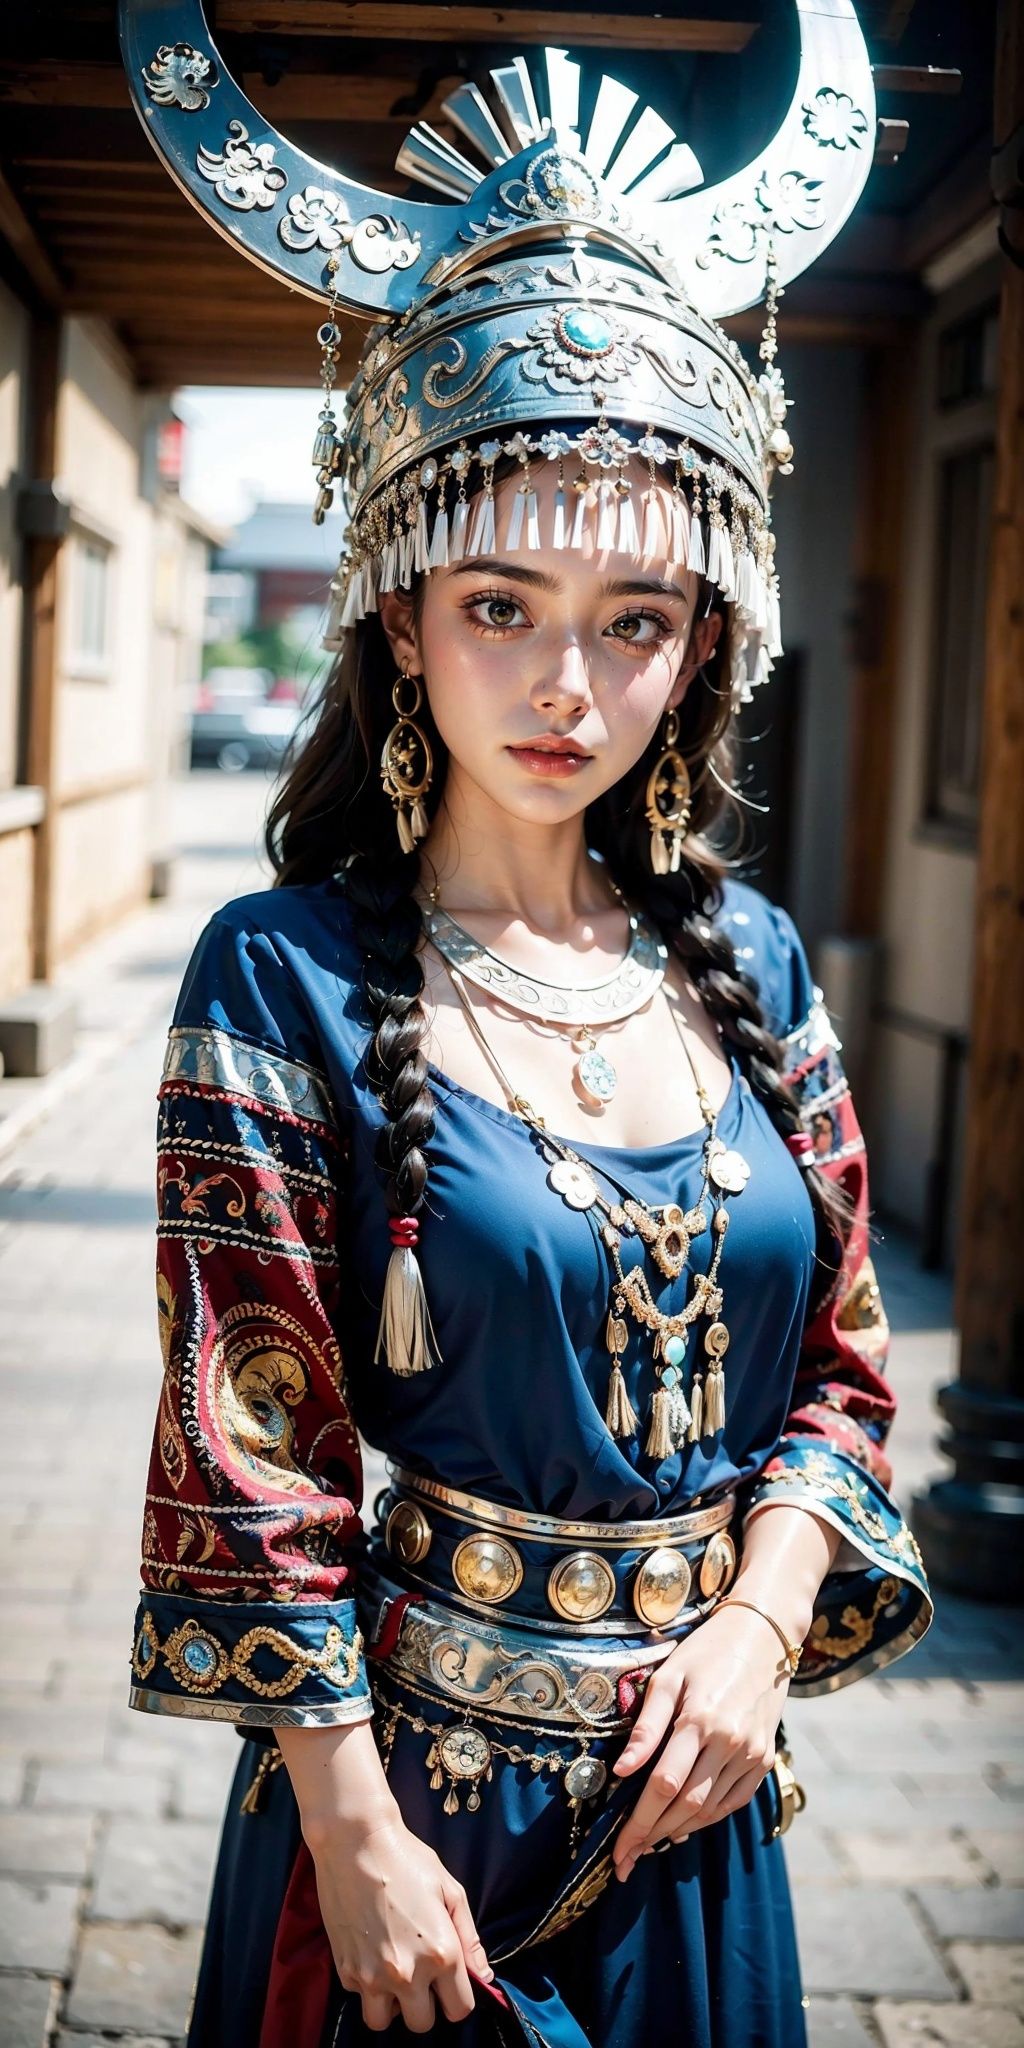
862, 1307
575, 1903
859, 1627
817, 1474
201, 1663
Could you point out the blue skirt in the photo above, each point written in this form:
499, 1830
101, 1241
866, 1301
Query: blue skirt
700, 1938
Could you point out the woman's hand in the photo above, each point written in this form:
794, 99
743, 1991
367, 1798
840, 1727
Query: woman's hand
399, 1925
722, 1692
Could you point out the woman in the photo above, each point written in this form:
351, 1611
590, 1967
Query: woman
510, 1129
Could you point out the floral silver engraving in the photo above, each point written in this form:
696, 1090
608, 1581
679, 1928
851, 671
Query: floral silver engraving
243, 174
833, 120
781, 204
180, 76
319, 219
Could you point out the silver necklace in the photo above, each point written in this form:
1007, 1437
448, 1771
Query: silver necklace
576, 1007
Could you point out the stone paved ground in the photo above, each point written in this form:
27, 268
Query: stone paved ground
909, 1864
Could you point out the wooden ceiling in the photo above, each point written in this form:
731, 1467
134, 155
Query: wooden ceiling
91, 223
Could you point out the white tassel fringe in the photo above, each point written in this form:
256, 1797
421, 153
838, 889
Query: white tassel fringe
406, 1334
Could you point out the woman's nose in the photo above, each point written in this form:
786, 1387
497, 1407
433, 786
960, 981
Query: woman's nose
565, 683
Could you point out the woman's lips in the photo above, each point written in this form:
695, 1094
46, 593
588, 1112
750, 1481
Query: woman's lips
541, 761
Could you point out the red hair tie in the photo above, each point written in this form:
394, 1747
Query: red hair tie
801, 1144
405, 1232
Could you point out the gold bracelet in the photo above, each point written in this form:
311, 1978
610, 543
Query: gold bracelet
791, 1651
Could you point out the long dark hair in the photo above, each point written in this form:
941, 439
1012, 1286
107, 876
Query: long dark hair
331, 815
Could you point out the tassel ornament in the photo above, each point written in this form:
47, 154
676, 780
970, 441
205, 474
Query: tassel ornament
696, 1429
460, 527
620, 1416
406, 1334
606, 518
558, 527
651, 543
660, 1442
421, 539
628, 538
481, 539
714, 1400
697, 557
580, 516
515, 524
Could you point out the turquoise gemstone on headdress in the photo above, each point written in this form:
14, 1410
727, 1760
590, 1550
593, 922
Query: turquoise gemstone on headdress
675, 1350
586, 330
669, 1376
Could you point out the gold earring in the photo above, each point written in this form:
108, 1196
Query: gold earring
407, 764
668, 802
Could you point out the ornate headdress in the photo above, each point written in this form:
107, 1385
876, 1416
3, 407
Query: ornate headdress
561, 305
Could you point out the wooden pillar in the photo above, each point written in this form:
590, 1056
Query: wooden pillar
42, 552
875, 630
972, 1524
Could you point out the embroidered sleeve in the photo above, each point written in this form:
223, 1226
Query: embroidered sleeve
832, 1458
251, 1530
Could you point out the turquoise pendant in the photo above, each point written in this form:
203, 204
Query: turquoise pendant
597, 1077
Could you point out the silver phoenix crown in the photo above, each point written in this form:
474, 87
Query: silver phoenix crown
558, 304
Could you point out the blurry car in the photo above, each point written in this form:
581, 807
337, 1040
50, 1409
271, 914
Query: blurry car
235, 727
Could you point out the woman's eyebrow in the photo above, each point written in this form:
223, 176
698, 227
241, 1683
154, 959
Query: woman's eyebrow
642, 586
489, 564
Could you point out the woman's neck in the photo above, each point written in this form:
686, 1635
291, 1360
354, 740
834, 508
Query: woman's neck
540, 874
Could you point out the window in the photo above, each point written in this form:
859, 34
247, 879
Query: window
90, 606
968, 356
965, 480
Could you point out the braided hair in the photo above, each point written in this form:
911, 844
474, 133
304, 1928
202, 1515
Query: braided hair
331, 817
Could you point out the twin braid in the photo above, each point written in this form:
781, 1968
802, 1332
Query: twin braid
388, 924
730, 997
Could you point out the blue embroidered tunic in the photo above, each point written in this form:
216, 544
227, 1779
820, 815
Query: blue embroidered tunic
273, 1249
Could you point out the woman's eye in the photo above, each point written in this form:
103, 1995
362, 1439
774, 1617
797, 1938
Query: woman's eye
640, 629
499, 613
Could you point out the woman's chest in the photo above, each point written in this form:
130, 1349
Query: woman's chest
633, 1082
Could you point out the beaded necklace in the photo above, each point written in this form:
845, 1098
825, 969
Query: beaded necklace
667, 1232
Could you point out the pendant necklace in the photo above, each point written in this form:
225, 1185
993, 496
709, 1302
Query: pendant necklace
577, 1009
666, 1231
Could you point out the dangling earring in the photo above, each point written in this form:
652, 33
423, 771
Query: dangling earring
407, 764
668, 802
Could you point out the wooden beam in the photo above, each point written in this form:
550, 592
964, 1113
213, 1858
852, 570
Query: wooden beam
916, 78
55, 81
21, 237
301, 94
404, 21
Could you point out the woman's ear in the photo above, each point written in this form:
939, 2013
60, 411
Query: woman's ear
397, 619
704, 635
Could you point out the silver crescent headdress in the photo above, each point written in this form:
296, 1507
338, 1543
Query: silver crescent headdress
561, 303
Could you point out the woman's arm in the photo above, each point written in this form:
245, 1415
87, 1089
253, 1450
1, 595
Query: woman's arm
252, 1535
399, 1925
724, 1689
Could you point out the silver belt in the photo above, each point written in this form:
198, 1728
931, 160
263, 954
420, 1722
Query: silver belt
470, 1662
600, 1578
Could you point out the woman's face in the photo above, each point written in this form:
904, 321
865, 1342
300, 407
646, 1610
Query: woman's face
552, 645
